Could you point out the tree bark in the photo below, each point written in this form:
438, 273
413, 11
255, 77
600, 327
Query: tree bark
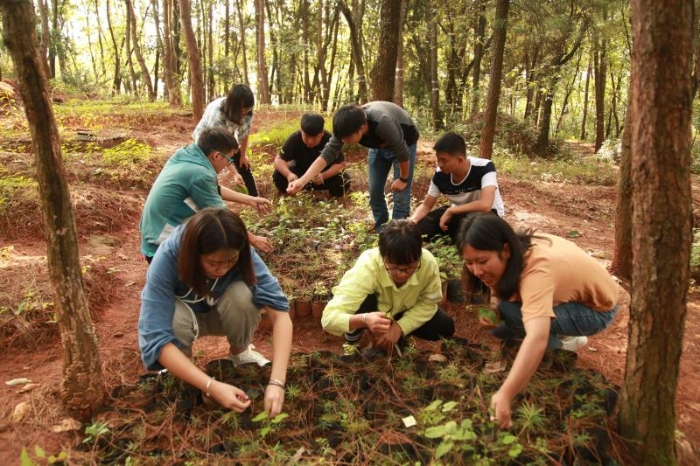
263, 84
45, 37
384, 70
81, 386
117, 81
194, 60
500, 28
170, 73
145, 75
622, 256
241, 33
479, 32
433, 66
661, 109
356, 46
398, 75
600, 69
585, 101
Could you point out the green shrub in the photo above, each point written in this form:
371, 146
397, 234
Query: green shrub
128, 153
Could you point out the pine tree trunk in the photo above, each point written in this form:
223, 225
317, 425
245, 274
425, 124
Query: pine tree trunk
384, 70
263, 83
194, 60
622, 257
170, 73
585, 101
479, 32
145, 75
433, 66
356, 46
117, 81
241, 33
500, 28
81, 387
600, 69
661, 110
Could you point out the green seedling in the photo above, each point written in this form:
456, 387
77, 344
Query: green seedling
488, 315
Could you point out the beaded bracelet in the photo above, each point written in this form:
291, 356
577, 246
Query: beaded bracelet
277, 383
206, 389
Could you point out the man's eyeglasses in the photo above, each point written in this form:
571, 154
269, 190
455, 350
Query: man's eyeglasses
400, 270
229, 160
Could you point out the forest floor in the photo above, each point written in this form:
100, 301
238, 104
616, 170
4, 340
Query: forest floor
551, 207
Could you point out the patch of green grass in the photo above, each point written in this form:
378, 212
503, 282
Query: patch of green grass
128, 153
274, 136
589, 171
13, 187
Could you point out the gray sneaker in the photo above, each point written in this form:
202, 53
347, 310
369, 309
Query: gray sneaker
573, 343
249, 356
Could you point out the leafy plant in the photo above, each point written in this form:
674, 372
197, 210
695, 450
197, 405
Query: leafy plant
94, 431
269, 424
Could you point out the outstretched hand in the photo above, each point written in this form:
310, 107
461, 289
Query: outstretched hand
294, 187
228, 396
261, 204
274, 400
261, 243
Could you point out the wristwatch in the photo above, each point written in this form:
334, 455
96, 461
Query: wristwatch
405, 180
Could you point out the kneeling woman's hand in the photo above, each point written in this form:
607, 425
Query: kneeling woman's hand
228, 396
274, 399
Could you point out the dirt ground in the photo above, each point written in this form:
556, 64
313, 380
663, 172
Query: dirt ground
556, 208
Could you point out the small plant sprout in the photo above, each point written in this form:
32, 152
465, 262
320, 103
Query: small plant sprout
94, 431
269, 424
531, 416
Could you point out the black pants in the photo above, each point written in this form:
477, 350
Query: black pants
429, 225
441, 325
337, 185
247, 175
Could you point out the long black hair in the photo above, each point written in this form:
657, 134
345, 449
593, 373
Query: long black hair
240, 96
208, 231
489, 232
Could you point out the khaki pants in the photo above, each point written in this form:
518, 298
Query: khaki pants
234, 316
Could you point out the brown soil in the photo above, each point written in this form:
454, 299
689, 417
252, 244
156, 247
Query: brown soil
556, 208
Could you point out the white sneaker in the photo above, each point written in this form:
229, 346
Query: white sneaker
249, 357
573, 343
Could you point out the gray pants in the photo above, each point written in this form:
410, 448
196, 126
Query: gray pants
234, 316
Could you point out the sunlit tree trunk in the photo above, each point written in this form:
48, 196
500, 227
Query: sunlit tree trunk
81, 386
45, 36
433, 66
585, 101
398, 76
661, 110
129, 60
170, 73
356, 46
500, 29
479, 32
117, 81
384, 70
241, 33
600, 63
145, 75
194, 60
622, 257
263, 84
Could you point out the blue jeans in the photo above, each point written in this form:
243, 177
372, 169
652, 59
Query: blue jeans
380, 162
572, 319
